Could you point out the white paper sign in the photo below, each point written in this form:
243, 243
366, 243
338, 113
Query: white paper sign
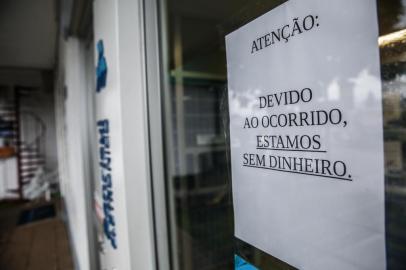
306, 134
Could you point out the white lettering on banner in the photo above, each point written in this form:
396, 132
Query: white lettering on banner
306, 134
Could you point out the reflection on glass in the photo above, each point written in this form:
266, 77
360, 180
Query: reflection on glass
394, 105
200, 183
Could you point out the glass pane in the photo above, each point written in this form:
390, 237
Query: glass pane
200, 171
393, 67
196, 109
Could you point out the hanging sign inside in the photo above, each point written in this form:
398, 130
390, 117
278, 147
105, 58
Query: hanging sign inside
306, 134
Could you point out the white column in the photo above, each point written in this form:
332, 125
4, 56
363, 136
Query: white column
123, 102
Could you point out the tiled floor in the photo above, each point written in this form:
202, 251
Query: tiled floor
41, 245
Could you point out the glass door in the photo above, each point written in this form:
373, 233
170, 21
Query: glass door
196, 131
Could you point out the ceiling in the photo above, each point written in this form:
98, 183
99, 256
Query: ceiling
28, 33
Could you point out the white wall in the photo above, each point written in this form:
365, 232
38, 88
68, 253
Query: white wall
72, 148
42, 105
8, 177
